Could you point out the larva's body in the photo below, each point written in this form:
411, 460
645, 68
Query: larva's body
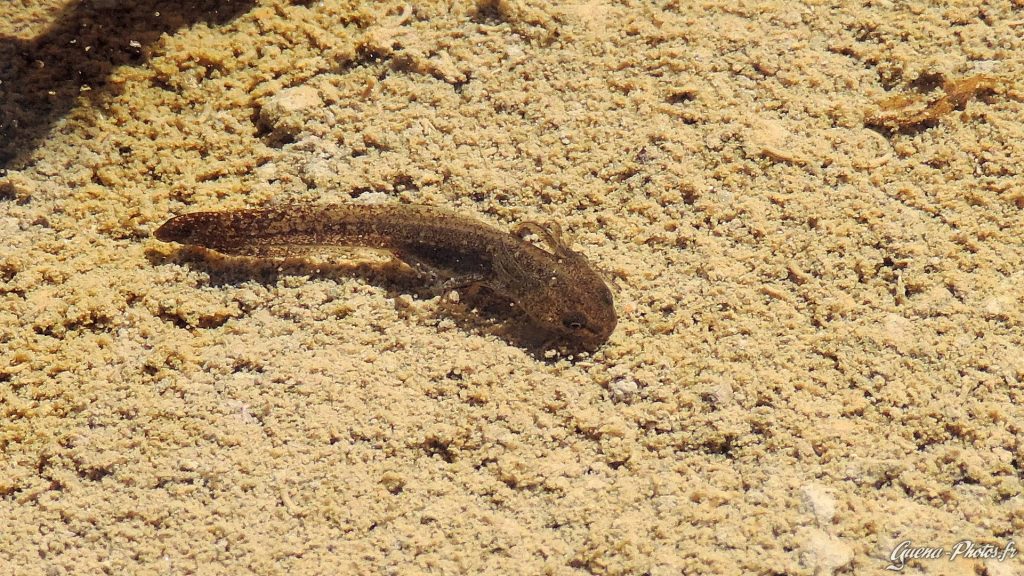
558, 290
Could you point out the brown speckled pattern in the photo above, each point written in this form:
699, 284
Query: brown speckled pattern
558, 290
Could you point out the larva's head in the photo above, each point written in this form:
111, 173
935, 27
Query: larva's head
575, 303
591, 320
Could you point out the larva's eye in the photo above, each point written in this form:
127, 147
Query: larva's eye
574, 323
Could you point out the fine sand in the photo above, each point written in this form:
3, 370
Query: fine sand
818, 257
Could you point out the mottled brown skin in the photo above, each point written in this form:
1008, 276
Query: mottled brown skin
558, 290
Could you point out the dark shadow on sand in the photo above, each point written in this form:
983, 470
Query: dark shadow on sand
40, 79
480, 313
